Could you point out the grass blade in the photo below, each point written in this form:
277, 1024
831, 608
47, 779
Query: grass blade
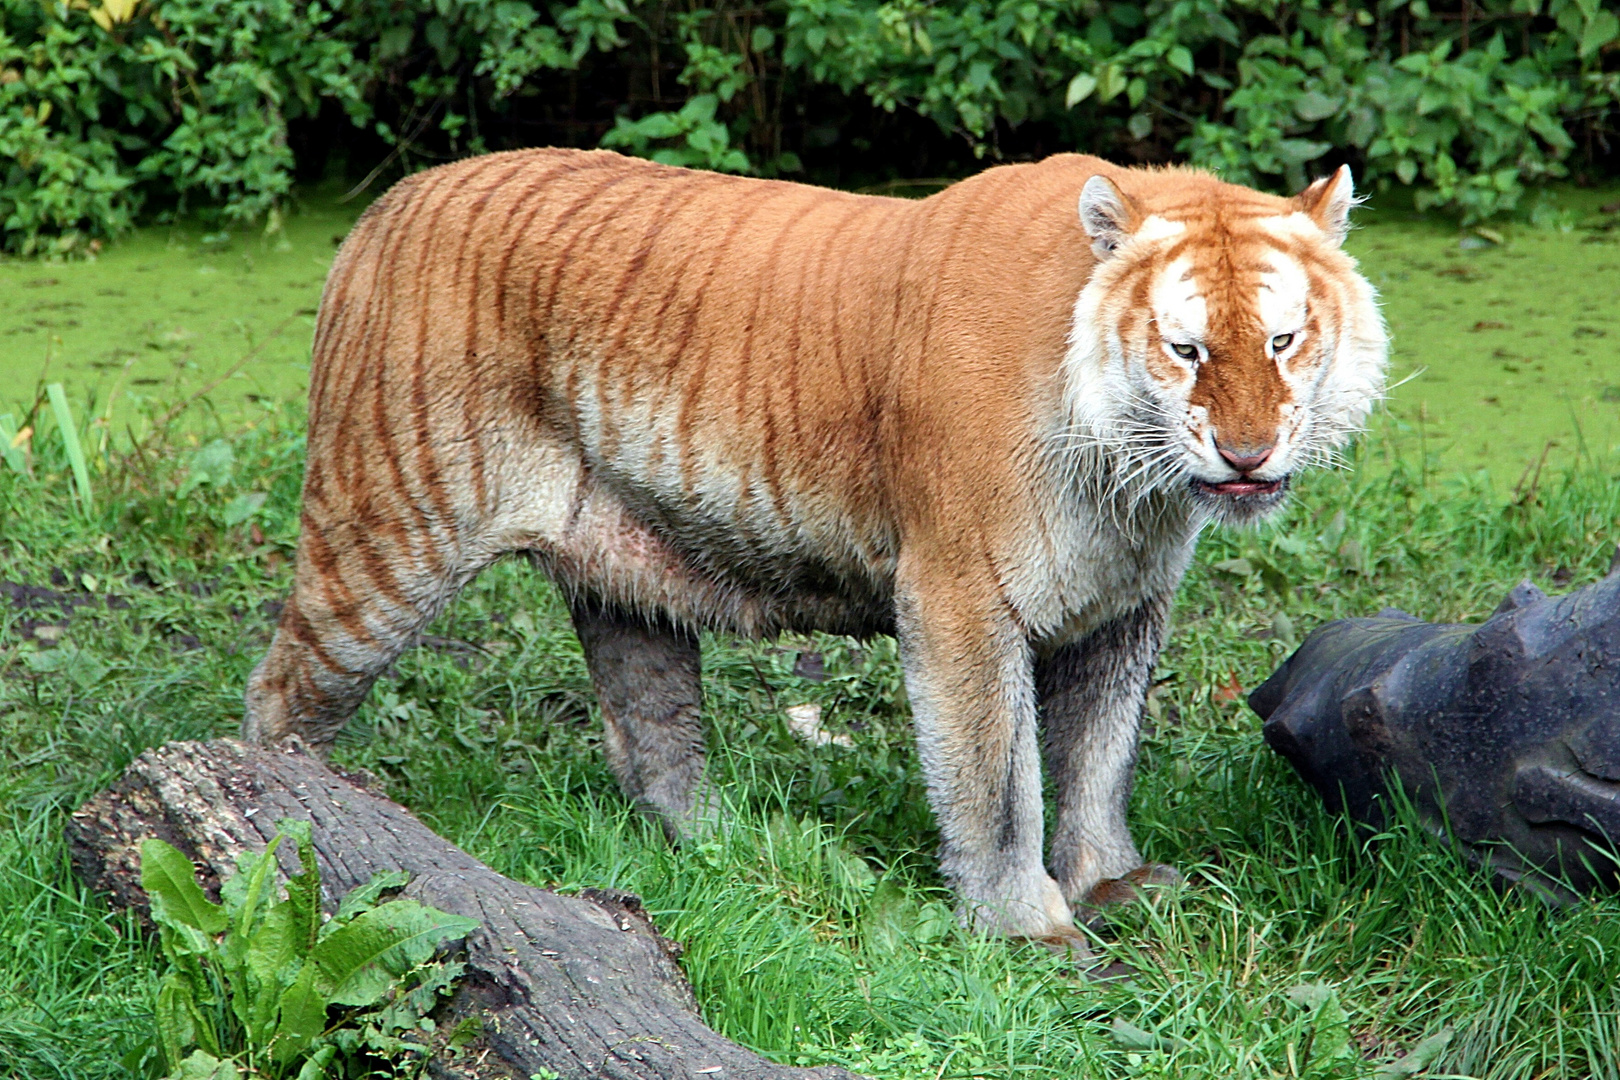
11, 445
70, 440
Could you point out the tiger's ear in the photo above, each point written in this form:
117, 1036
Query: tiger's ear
1108, 215
1328, 201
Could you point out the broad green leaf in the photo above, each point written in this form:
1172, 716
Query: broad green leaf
304, 888
357, 963
79, 665
243, 507
302, 1018
1419, 1058
1110, 82
1311, 995
187, 946
934, 924
851, 870
1080, 88
180, 1022
315, 1067
1282, 628
137, 1060
274, 947
1603, 28
1130, 1037
1313, 105
170, 882
888, 919
212, 465
1300, 151
1329, 1024
363, 898
175, 1026
1180, 58
1274, 577
408, 1010
204, 1066
301, 832
244, 894
11, 445
465, 1032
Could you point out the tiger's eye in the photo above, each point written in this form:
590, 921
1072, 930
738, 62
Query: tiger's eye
1186, 352
1281, 342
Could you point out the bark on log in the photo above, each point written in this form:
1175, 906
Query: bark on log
573, 986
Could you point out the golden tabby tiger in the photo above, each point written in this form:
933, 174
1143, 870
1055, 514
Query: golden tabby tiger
991, 422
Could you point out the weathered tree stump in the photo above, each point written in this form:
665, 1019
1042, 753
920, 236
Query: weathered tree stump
573, 986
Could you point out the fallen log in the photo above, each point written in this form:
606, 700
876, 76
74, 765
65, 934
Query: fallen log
564, 986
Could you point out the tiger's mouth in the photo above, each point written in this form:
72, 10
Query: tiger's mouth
1243, 489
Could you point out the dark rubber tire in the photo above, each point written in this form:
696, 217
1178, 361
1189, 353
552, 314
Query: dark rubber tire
1505, 736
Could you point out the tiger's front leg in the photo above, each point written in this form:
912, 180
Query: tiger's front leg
969, 678
1091, 695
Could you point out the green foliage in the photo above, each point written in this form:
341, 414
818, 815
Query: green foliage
1260, 91
261, 985
102, 109
153, 104
701, 140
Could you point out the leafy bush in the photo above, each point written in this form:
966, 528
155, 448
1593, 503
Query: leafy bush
139, 105
254, 983
105, 109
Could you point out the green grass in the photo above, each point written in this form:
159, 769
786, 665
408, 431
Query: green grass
816, 931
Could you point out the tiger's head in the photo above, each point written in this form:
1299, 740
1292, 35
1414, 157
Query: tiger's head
1224, 341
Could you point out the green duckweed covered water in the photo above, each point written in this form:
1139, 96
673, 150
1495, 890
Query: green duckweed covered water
167, 311
1509, 350
1512, 348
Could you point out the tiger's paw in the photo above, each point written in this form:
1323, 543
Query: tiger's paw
1072, 945
1069, 942
1125, 889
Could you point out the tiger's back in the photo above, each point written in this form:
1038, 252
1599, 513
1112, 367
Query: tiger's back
679, 389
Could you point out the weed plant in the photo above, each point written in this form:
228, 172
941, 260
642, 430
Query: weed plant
816, 928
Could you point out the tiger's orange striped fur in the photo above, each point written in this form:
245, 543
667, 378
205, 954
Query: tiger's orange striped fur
991, 421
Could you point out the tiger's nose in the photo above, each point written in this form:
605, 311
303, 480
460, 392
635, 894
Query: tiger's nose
1245, 459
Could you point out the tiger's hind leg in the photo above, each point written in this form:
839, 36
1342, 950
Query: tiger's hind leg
648, 684
359, 600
